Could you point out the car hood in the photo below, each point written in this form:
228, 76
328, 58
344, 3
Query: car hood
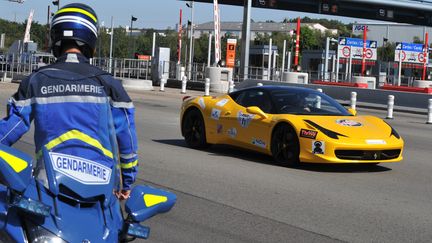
365, 127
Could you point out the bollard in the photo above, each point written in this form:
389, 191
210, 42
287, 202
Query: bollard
319, 90
162, 85
230, 86
353, 100
390, 106
207, 87
318, 102
183, 85
259, 84
429, 112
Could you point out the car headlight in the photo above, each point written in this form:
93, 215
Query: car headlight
327, 132
36, 233
393, 131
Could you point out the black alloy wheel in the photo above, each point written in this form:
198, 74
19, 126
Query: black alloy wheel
285, 146
194, 129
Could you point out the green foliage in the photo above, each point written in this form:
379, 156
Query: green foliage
417, 40
387, 52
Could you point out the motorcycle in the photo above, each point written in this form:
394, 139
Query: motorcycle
75, 202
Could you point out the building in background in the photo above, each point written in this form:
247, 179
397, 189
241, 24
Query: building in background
235, 28
393, 32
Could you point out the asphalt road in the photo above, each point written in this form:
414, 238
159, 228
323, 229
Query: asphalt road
230, 195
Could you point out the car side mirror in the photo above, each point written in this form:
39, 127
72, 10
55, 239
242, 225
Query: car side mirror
256, 111
352, 111
145, 202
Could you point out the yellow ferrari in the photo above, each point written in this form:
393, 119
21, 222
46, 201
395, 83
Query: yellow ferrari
291, 124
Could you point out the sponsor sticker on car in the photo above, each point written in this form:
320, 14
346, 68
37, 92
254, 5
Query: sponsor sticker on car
215, 114
259, 142
232, 132
375, 141
318, 147
244, 119
219, 128
222, 102
308, 133
348, 123
201, 103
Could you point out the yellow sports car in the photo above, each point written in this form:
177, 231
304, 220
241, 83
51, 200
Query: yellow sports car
291, 124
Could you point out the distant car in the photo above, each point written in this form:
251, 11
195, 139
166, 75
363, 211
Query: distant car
292, 124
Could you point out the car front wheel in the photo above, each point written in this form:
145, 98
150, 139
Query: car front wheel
285, 146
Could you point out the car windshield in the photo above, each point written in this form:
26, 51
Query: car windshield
306, 102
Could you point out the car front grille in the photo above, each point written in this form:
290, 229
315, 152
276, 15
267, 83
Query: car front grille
368, 154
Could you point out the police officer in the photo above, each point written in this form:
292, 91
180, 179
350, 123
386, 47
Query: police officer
78, 110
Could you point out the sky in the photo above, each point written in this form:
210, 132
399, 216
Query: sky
158, 14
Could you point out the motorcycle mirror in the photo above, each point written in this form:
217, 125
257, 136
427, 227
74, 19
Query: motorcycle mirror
146, 201
15, 168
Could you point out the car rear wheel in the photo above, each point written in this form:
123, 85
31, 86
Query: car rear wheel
194, 129
285, 146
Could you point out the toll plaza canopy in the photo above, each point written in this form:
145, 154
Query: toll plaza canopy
417, 12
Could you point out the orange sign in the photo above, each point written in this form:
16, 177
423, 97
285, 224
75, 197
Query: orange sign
231, 52
143, 57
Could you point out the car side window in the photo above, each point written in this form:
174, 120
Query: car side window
255, 98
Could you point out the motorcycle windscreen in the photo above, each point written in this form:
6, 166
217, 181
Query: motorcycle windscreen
81, 162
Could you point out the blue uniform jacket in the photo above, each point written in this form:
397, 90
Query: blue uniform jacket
76, 108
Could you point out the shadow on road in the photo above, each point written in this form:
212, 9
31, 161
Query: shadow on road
174, 142
239, 153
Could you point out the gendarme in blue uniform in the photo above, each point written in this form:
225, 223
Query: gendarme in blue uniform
75, 106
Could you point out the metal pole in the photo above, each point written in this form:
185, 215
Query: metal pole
179, 41
363, 71
130, 31
289, 61
297, 46
400, 69
269, 59
190, 42
327, 47
209, 50
333, 65
283, 56
154, 44
426, 55
350, 66
111, 45
244, 62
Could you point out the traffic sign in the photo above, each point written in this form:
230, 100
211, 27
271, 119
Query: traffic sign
354, 46
409, 52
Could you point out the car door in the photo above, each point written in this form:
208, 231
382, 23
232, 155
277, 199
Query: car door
245, 129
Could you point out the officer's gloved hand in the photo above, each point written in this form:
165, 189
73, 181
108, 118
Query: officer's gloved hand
123, 194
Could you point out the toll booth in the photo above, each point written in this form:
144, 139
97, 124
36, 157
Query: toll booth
258, 62
313, 62
161, 65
